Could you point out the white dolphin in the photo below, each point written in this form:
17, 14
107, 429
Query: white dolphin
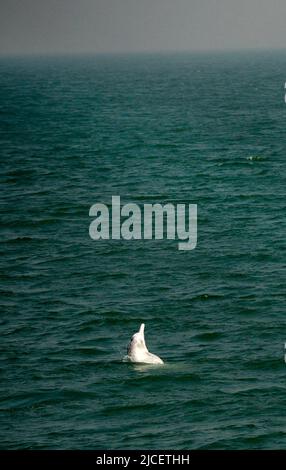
137, 350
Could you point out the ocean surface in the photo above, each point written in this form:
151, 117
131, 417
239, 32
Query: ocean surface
205, 129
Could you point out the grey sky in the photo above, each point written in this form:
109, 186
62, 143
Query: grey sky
60, 26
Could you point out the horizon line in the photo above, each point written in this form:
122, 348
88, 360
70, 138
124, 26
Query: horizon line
43, 54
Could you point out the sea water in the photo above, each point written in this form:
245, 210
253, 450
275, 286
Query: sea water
205, 129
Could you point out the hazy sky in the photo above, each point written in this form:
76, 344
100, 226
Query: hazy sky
59, 26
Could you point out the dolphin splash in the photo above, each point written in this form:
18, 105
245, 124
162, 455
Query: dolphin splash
137, 350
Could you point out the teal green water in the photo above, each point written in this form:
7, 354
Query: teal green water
204, 129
